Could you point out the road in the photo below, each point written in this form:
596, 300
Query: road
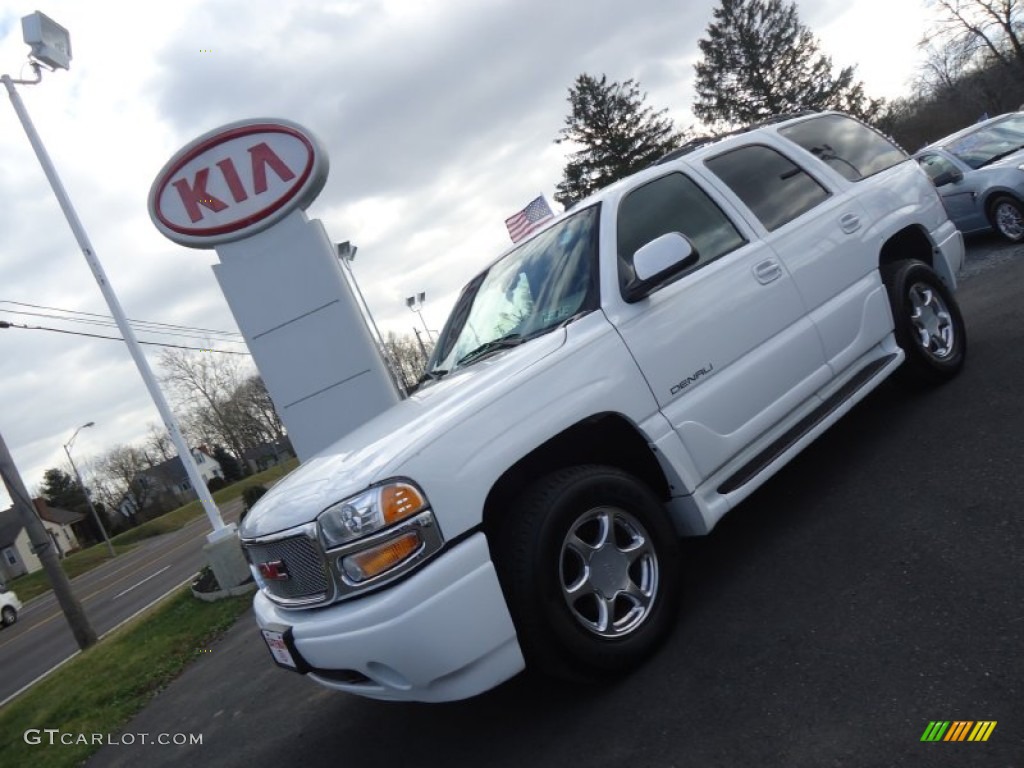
109, 594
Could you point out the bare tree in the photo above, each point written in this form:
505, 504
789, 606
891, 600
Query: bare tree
116, 474
407, 357
983, 31
158, 443
202, 385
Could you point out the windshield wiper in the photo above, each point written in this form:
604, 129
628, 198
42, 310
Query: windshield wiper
1001, 155
494, 345
433, 375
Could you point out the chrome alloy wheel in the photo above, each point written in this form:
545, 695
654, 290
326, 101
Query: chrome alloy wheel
608, 572
1009, 220
931, 321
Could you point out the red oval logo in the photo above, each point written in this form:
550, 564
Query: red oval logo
236, 181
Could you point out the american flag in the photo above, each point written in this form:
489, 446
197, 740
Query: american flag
532, 216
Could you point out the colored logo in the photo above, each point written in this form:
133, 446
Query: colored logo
958, 730
236, 181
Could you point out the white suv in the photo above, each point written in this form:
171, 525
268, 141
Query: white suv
624, 377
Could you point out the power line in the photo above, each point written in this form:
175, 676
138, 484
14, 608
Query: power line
198, 334
5, 324
110, 319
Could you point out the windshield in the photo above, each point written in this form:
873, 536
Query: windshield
540, 285
988, 144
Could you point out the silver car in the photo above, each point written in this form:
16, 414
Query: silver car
979, 173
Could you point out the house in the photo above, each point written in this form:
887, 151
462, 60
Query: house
166, 485
267, 455
74, 527
17, 557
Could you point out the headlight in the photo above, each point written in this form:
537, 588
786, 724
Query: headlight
369, 511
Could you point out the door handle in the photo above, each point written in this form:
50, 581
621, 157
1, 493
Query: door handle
850, 223
767, 271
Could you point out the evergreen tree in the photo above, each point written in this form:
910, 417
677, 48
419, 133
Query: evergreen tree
63, 491
228, 465
617, 133
760, 61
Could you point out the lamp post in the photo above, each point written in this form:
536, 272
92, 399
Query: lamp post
346, 255
51, 46
415, 303
88, 498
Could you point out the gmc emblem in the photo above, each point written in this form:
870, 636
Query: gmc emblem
275, 570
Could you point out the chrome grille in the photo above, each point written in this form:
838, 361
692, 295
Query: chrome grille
307, 582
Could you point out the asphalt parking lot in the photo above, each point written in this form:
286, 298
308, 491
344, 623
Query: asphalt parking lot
871, 587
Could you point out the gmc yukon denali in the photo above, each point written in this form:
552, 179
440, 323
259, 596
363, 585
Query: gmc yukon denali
621, 379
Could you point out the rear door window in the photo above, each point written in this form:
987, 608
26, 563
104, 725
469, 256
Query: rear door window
771, 185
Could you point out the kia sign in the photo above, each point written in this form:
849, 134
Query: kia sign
236, 181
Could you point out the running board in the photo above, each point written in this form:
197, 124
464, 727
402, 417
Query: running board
752, 468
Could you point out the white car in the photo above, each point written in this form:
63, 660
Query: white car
9, 606
624, 377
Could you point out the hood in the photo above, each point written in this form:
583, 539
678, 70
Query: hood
377, 449
1009, 161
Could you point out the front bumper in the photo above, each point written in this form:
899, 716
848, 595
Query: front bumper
442, 634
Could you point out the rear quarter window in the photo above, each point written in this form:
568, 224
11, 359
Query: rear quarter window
846, 145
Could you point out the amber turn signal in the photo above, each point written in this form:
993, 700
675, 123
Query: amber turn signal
376, 560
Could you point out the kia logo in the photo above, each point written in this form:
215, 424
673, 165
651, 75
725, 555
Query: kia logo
236, 181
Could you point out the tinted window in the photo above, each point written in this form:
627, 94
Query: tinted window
850, 147
673, 203
770, 184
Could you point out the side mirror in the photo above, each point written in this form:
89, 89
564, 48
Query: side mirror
656, 262
947, 177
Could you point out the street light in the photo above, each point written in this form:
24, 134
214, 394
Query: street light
415, 303
88, 498
346, 255
51, 46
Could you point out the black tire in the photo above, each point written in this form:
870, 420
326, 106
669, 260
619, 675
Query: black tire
537, 560
1006, 214
929, 326
9, 615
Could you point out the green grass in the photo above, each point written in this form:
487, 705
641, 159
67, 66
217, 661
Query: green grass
102, 688
37, 583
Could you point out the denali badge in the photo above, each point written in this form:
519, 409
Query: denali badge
691, 379
274, 571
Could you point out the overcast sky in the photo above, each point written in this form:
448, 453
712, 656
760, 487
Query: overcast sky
438, 117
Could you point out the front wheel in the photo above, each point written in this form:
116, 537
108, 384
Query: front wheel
1007, 217
589, 563
928, 324
9, 615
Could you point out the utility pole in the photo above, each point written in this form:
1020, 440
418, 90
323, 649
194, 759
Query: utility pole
43, 547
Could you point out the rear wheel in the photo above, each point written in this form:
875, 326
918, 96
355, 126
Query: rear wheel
928, 324
9, 615
1007, 217
589, 563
